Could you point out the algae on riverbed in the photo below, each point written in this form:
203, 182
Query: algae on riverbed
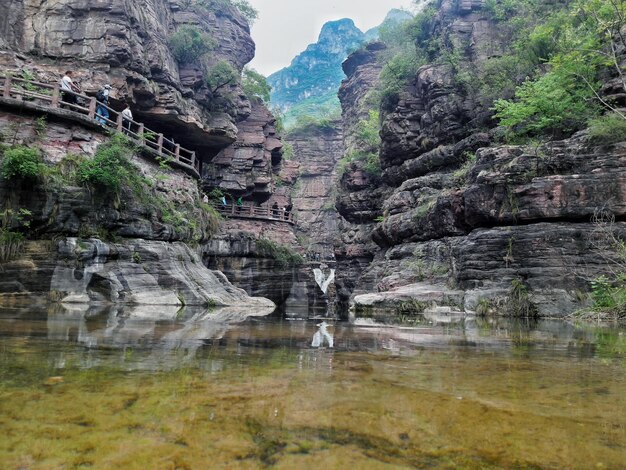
453, 397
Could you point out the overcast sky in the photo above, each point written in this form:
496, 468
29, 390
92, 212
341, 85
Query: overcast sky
286, 27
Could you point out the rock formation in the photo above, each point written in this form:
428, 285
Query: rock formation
458, 234
125, 44
87, 244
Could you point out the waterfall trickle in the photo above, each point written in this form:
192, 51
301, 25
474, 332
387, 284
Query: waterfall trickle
322, 280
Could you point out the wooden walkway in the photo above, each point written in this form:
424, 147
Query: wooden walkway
50, 97
250, 211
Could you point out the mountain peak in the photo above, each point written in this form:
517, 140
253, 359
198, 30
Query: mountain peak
344, 27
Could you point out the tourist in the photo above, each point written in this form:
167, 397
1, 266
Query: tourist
68, 88
275, 210
102, 97
127, 117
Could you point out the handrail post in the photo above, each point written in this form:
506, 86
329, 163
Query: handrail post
177, 152
140, 132
92, 108
160, 144
56, 92
120, 122
7, 86
251, 210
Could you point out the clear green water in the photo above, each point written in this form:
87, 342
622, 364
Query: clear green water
96, 390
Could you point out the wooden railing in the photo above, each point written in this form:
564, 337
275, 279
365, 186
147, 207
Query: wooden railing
52, 96
250, 211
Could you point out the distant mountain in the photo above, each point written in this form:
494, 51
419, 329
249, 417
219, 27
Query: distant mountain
394, 16
309, 85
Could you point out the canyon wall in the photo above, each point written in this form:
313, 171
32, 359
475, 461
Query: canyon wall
144, 244
441, 230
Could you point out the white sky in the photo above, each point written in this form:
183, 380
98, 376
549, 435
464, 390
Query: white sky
286, 27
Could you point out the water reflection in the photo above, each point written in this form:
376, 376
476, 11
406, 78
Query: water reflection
322, 336
106, 388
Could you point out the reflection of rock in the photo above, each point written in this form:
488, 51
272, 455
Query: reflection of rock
135, 326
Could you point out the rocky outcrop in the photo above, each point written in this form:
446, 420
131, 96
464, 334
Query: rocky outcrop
249, 167
88, 244
236, 251
125, 44
135, 272
317, 151
460, 222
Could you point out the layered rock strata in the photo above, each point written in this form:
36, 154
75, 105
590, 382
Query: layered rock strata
144, 259
465, 222
125, 44
317, 151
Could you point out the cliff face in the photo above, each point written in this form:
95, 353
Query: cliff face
317, 151
88, 244
93, 244
125, 43
359, 195
462, 234
249, 166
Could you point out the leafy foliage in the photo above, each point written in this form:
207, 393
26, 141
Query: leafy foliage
110, 168
221, 74
188, 44
576, 44
283, 255
22, 163
255, 85
307, 123
608, 129
410, 45
365, 146
324, 107
245, 8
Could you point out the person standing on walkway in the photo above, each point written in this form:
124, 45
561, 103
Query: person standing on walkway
127, 117
68, 88
102, 97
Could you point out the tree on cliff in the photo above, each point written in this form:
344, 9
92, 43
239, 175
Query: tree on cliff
188, 44
255, 84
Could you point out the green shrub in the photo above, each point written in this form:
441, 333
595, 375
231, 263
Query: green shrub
283, 255
555, 103
110, 168
11, 245
23, 163
188, 44
245, 8
518, 302
220, 75
608, 129
255, 85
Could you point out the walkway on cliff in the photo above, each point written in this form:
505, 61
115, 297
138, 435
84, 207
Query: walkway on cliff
43, 97
249, 210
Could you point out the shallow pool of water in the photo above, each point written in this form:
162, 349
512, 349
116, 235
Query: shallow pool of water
96, 389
